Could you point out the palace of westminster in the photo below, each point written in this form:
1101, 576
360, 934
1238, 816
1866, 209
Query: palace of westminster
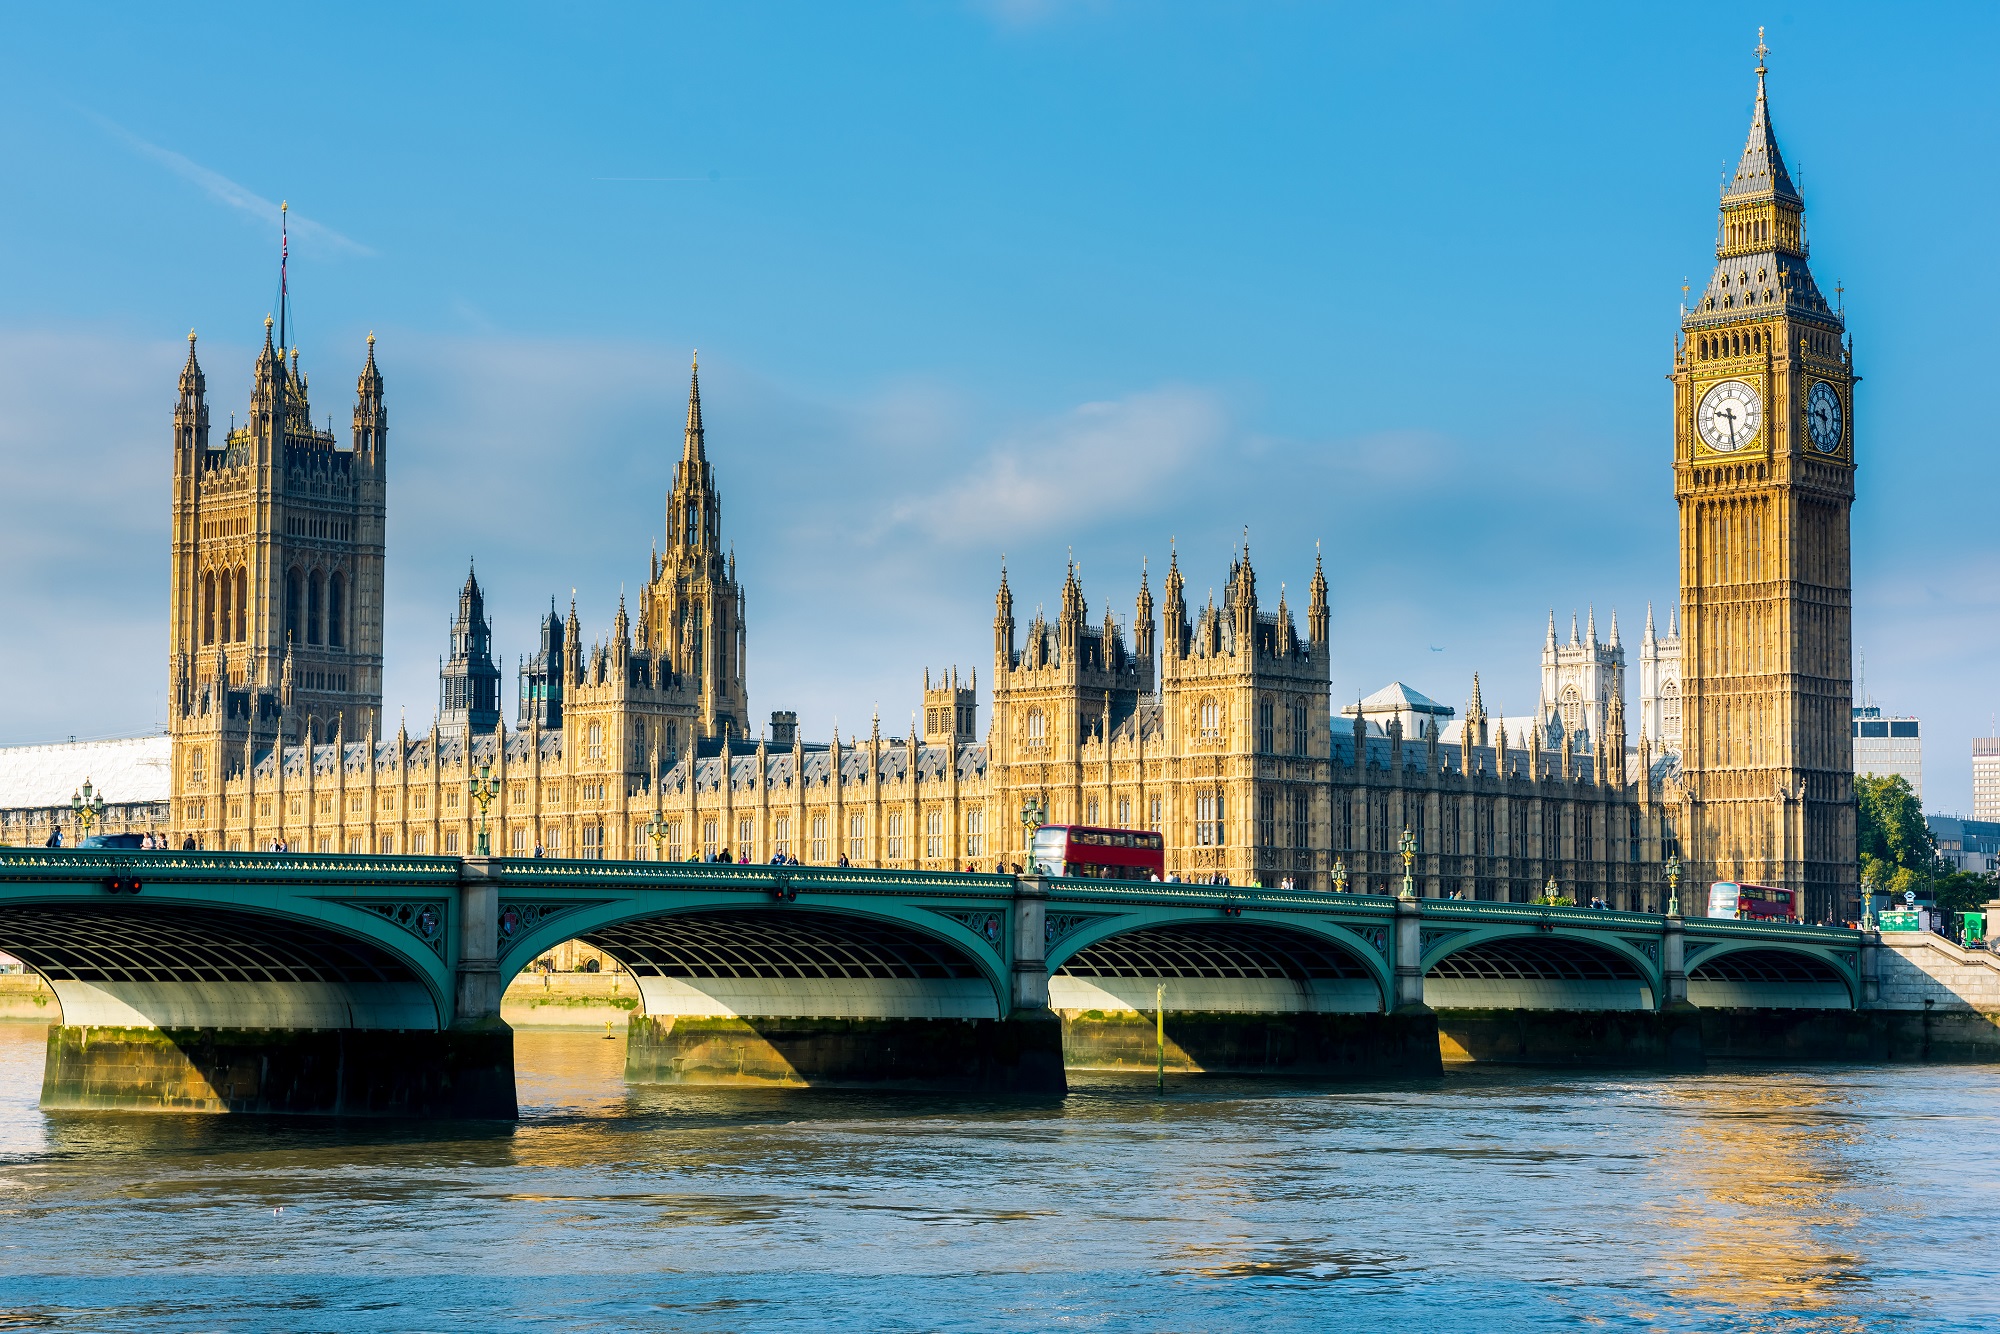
1212, 724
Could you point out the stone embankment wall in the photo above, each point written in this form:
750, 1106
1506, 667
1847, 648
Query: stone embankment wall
570, 1000
1916, 969
25, 997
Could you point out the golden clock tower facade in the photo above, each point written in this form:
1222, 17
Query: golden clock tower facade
1764, 479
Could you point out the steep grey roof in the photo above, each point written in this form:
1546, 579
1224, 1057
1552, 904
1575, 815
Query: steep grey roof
1761, 171
1769, 280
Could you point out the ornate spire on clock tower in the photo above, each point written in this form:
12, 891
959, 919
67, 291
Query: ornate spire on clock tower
1764, 479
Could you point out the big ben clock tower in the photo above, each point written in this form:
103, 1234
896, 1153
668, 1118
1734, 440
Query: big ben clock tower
1764, 479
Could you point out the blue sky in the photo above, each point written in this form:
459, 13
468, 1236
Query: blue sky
981, 278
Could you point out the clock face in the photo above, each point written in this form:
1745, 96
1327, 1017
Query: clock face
1729, 416
1824, 418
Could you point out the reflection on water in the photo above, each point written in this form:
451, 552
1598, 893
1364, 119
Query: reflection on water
1795, 1200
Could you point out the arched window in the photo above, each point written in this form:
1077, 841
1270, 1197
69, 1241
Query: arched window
336, 611
593, 746
1037, 727
222, 603
315, 605
208, 609
1210, 714
242, 604
295, 596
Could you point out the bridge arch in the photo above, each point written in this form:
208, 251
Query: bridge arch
1770, 975
1509, 968
160, 962
1266, 963
726, 957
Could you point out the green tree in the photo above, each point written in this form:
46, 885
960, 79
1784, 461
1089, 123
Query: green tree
1963, 891
1895, 844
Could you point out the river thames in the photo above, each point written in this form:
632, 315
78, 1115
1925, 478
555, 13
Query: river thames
1821, 1198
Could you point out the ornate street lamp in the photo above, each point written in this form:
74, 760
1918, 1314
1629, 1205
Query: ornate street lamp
656, 829
1340, 877
87, 809
1409, 850
484, 789
1034, 814
1674, 885
1550, 890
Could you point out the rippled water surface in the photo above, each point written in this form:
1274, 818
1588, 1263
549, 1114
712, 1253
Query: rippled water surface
1826, 1198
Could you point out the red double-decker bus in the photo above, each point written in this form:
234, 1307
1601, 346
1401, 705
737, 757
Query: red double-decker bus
1098, 854
1728, 898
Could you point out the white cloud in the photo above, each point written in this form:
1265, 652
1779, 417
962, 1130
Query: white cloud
1096, 462
220, 188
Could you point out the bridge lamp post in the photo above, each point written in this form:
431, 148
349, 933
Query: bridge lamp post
1033, 816
1674, 885
484, 789
87, 809
1409, 850
656, 829
1340, 877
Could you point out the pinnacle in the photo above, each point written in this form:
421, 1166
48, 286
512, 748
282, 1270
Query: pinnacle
1761, 170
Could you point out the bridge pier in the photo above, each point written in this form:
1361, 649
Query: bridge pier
289, 1072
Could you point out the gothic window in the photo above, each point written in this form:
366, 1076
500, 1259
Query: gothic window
196, 768
336, 611
1124, 812
518, 840
1586, 840
1344, 803
388, 845
1208, 817
746, 839
1382, 843
711, 838
975, 833
1211, 720
208, 609
552, 840
1416, 824
1267, 818
1301, 820
934, 834
593, 842
222, 611
1090, 811
295, 594
1632, 835
242, 604
857, 839
1154, 822
1267, 739
315, 600
1670, 712
1301, 721
1037, 728
450, 841
674, 841
819, 838
781, 836
593, 746
690, 529
1551, 834
420, 844
639, 741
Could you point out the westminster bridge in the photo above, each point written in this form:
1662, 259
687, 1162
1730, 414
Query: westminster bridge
365, 985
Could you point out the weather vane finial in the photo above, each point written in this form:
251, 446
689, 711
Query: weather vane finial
1762, 50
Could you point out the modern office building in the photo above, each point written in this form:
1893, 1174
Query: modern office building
1885, 744
1986, 778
